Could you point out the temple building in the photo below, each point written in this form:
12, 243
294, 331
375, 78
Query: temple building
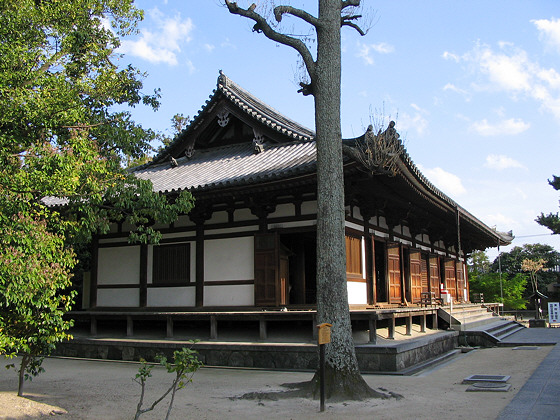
250, 241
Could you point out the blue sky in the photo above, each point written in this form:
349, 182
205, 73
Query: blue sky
474, 87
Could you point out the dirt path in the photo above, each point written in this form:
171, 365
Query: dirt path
84, 389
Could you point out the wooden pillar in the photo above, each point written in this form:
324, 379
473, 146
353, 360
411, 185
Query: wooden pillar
213, 327
199, 215
423, 322
369, 260
409, 324
199, 270
169, 327
143, 275
262, 329
372, 321
391, 335
93, 326
434, 320
94, 271
129, 326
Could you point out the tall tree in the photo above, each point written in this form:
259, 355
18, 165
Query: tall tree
512, 262
62, 145
551, 220
343, 379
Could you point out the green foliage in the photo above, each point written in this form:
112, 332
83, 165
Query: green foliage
185, 364
489, 284
551, 220
512, 262
479, 262
34, 270
63, 139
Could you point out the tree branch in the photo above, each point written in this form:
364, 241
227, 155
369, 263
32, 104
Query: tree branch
279, 11
261, 25
348, 3
346, 22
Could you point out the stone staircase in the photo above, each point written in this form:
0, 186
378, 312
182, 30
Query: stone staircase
477, 325
466, 316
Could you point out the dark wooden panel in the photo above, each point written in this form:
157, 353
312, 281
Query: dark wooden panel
353, 257
424, 272
435, 276
266, 269
450, 279
415, 276
394, 273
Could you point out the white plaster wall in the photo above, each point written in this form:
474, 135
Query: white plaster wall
357, 293
229, 259
303, 223
171, 296
218, 217
118, 297
243, 214
406, 231
354, 226
309, 207
234, 295
180, 236
119, 265
283, 210
383, 222
183, 221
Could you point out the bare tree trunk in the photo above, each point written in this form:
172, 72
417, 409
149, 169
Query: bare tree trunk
25, 359
343, 379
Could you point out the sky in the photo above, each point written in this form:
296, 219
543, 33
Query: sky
474, 88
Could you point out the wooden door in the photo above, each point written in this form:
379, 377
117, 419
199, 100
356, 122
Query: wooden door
450, 279
266, 270
460, 282
283, 283
415, 276
424, 273
435, 278
394, 273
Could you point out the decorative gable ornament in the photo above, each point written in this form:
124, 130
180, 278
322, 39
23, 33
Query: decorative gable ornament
223, 118
258, 141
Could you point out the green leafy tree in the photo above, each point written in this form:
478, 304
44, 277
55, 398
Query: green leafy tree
512, 262
479, 263
34, 268
484, 279
551, 220
63, 141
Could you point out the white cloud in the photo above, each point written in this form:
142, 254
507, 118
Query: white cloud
413, 121
508, 127
509, 69
163, 41
450, 56
501, 162
449, 183
365, 51
550, 31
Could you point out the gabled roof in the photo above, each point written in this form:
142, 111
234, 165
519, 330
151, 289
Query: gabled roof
230, 95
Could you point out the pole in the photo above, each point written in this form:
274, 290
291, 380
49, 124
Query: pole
322, 375
500, 273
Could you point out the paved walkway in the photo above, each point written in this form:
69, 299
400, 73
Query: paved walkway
539, 398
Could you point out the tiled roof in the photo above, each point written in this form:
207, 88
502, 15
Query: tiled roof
231, 165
